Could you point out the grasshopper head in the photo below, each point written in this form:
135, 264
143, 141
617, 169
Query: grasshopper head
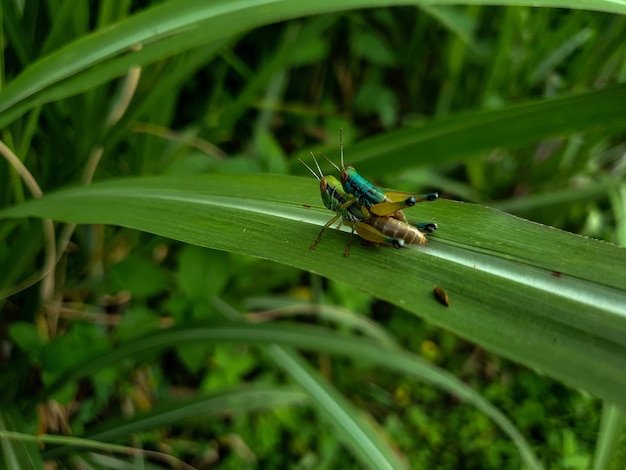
327, 197
334, 184
333, 194
348, 174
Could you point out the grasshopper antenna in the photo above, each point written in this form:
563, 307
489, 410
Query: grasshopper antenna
309, 168
317, 165
332, 163
341, 146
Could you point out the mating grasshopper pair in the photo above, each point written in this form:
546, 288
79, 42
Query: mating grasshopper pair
375, 215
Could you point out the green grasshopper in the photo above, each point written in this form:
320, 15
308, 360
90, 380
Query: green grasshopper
375, 229
377, 201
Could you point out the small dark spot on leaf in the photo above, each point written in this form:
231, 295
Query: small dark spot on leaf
441, 296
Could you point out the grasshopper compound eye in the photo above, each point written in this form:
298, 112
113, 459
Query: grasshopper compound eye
344, 176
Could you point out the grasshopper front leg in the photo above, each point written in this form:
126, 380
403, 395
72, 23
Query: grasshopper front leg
428, 227
328, 224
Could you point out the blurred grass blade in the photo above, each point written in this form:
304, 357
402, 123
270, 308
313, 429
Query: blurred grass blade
459, 136
338, 316
78, 442
244, 399
16, 452
611, 430
563, 197
304, 337
546, 298
368, 445
170, 28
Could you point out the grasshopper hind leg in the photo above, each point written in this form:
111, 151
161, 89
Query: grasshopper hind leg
427, 227
396, 242
372, 235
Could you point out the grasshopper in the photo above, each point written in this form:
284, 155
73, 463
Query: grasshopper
370, 227
377, 201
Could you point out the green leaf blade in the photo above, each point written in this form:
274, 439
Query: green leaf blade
546, 298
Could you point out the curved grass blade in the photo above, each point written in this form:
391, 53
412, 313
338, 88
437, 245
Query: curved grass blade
313, 338
244, 399
546, 298
368, 444
465, 134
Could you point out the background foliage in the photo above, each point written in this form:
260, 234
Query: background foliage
140, 328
